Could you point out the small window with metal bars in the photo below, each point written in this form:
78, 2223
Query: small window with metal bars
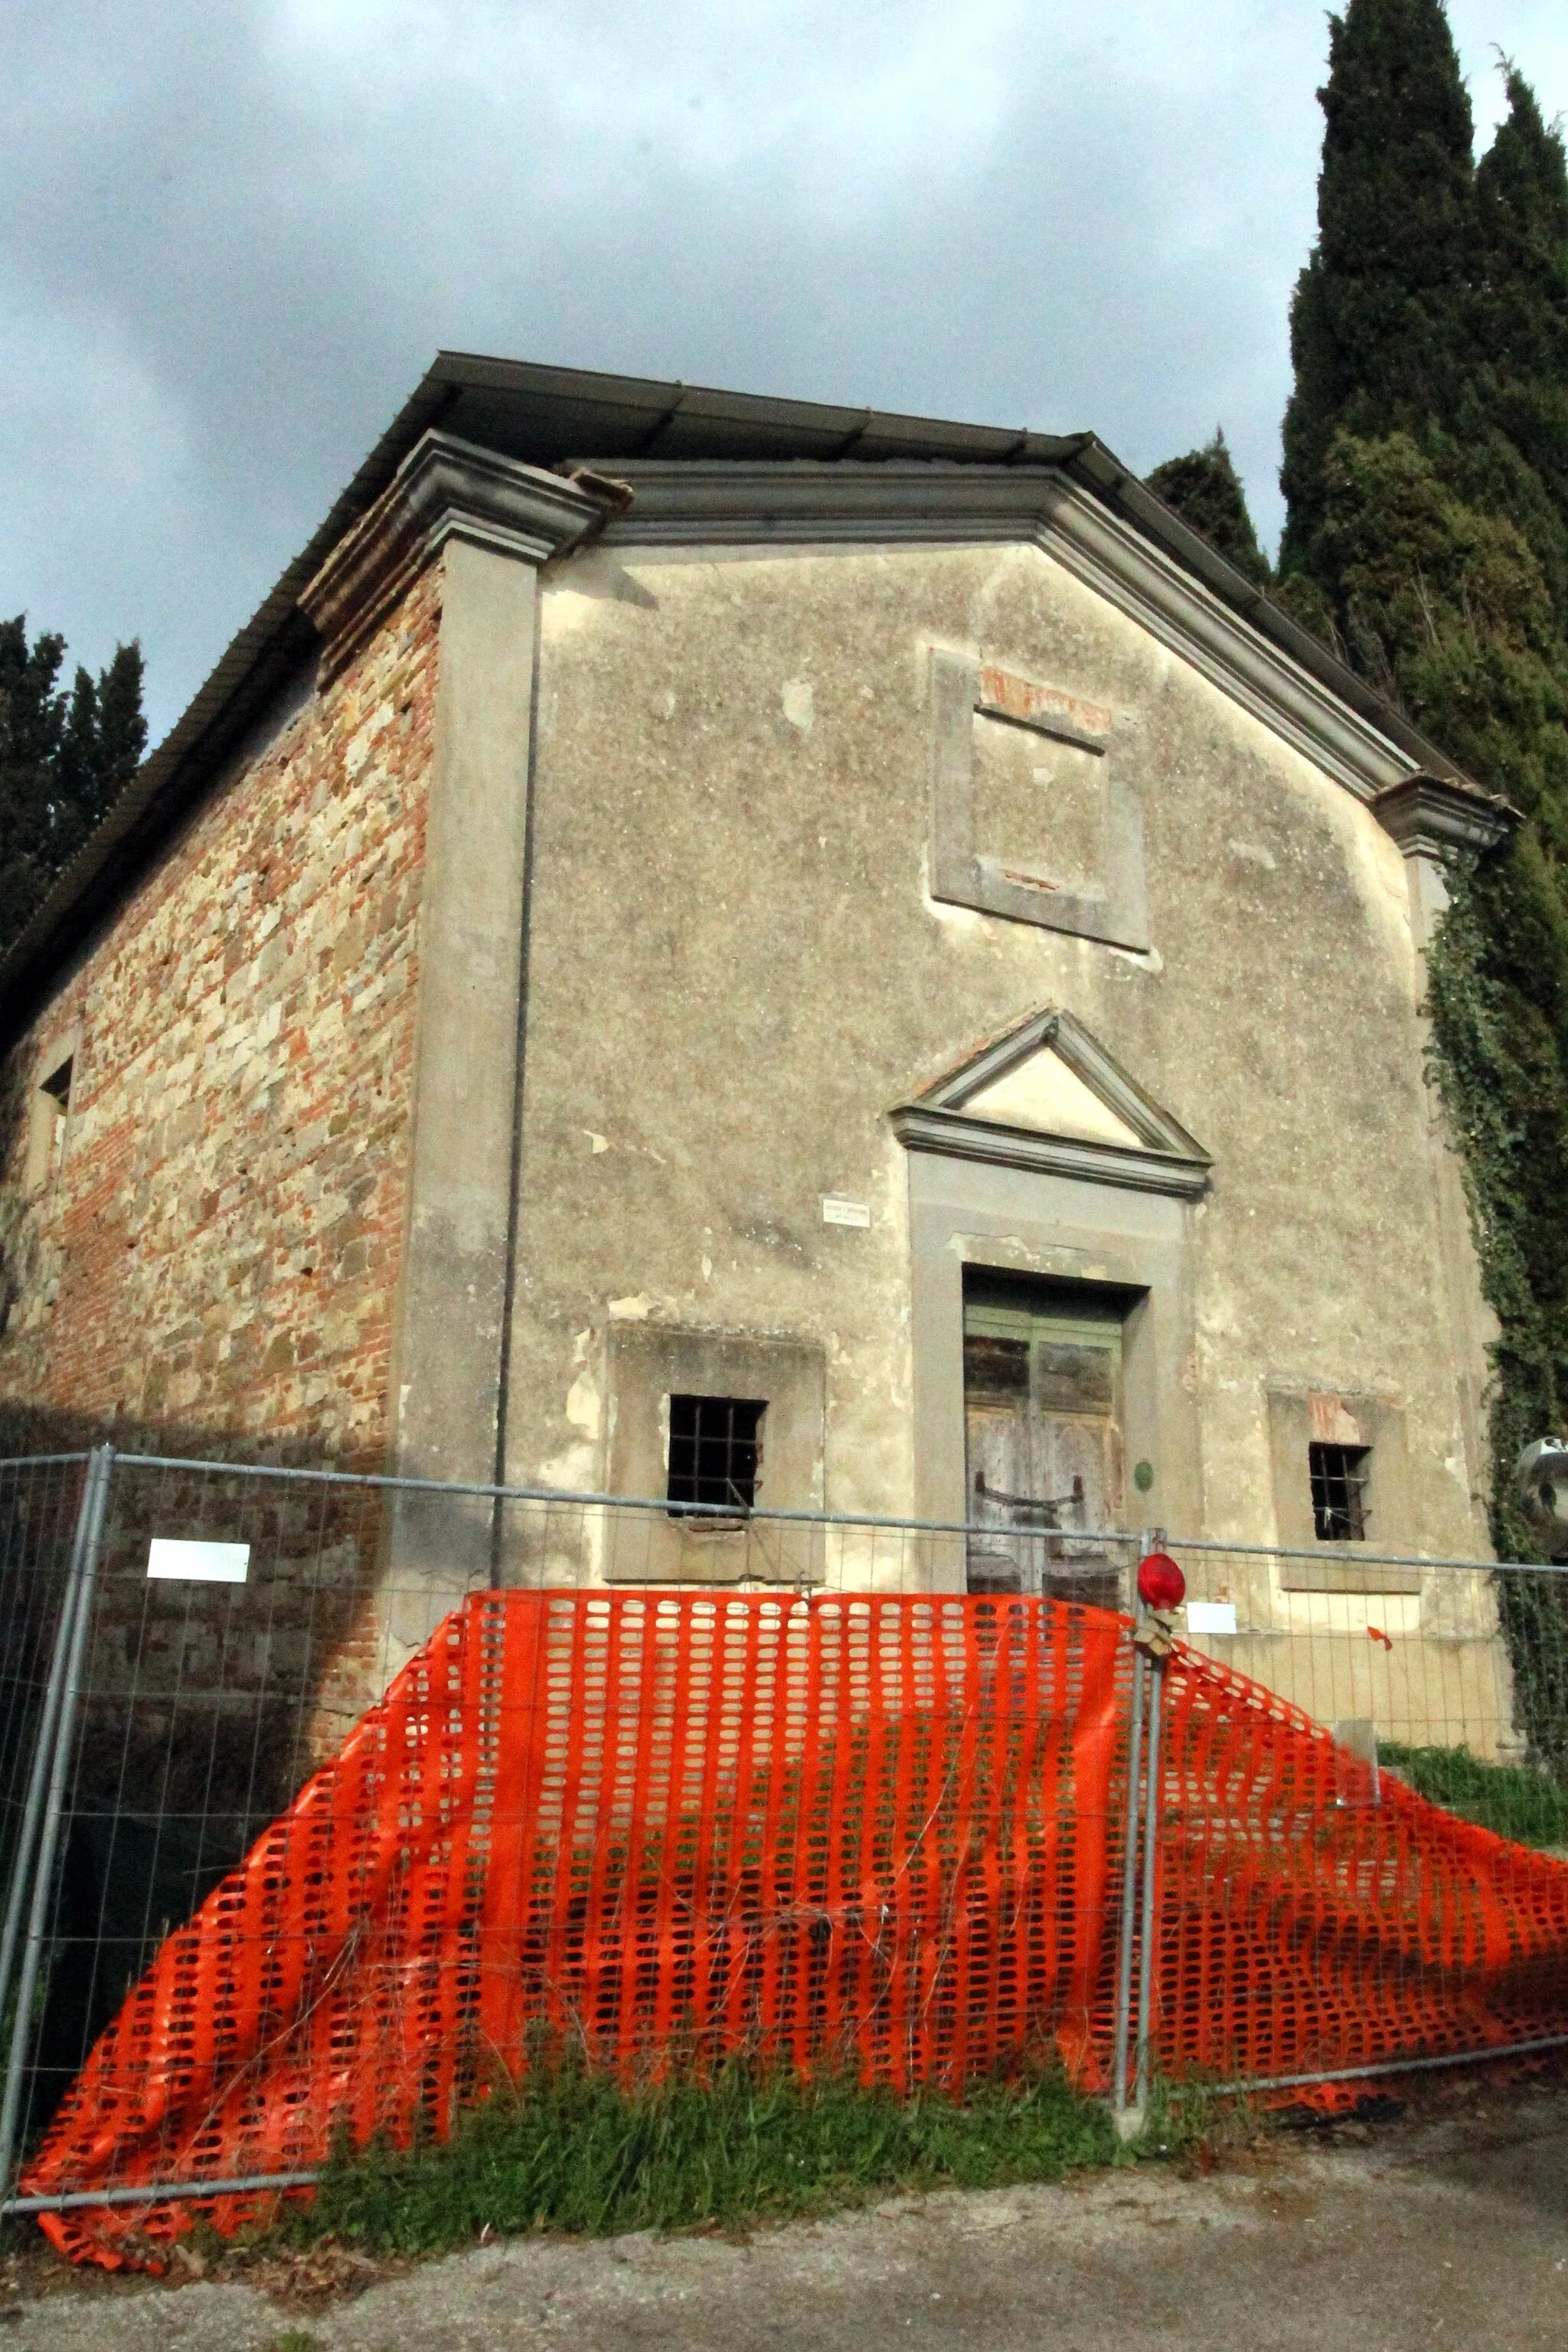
715, 1453
1339, 1475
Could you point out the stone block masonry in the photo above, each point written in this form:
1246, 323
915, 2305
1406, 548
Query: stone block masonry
211, 1257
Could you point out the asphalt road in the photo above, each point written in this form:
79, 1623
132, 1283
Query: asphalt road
1448, 2228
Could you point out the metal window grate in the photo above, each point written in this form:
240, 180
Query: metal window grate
1339, 1491
715, 1451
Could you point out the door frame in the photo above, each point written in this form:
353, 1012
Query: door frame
1023, 1221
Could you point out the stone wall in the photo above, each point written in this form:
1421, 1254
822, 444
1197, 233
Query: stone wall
211, 1257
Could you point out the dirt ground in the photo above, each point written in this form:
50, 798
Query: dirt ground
1442, 2223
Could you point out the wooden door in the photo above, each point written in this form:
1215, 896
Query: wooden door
1041, 1386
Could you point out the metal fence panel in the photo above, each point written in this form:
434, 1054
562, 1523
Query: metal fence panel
242, 1622
1432, 1665
39, 1501
1347, 1840
1362, 1825
43, 1529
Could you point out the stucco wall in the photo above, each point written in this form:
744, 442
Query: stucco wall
217, 1253
737, 969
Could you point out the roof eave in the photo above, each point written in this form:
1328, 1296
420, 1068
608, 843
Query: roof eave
277, 636
256, 661
1100, 469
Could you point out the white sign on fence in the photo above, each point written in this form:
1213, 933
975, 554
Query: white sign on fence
1210, 1616
198, 1563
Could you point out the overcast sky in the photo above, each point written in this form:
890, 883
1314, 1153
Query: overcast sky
233, 236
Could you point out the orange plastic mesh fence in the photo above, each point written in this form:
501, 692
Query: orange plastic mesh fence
872, 1831
1312, 1919
876, 1830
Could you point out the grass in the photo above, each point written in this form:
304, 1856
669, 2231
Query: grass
571, 2151
1509, 1798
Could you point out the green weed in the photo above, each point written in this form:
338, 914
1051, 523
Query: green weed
1518, 1803
571, 2151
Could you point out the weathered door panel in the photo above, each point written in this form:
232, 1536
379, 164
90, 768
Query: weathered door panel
1042, 1411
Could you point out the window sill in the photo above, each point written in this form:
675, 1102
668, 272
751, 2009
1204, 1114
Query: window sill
1337, 1574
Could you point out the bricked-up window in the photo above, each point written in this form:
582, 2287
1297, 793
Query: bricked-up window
1340, 1475
46, 1144
58, 1086
715, 1452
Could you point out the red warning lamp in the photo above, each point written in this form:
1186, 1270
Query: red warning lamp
1161, 1584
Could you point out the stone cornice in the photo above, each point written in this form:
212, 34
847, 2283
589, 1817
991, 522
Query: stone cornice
799, 503
1428, 817
919, 1128
445, 488
1151, 588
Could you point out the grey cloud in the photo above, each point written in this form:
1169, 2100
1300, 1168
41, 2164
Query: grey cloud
233, 237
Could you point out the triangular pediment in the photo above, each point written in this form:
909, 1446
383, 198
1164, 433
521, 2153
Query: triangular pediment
1044, 1093
1047, 1095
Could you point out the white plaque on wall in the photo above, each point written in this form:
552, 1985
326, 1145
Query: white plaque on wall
198, 1563
836, 1211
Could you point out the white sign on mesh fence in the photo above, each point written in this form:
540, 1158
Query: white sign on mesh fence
198, 1563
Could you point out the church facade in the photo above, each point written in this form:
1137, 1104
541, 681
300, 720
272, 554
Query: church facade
723, 951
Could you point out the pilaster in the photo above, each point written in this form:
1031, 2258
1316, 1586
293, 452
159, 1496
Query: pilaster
1432, 818
491, 522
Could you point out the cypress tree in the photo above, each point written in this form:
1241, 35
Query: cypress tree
1426, 480
1522, 192
63, 758
1205, 489
1500, 973
1381, 325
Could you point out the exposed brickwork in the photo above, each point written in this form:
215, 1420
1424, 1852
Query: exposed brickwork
216, 1258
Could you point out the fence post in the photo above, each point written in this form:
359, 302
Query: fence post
1150, 1860
53, 1756
1129, 1892
1127, 2121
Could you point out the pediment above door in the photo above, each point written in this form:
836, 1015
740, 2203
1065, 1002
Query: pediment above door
1048, 1095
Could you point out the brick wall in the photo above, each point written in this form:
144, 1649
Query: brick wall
213, 1264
